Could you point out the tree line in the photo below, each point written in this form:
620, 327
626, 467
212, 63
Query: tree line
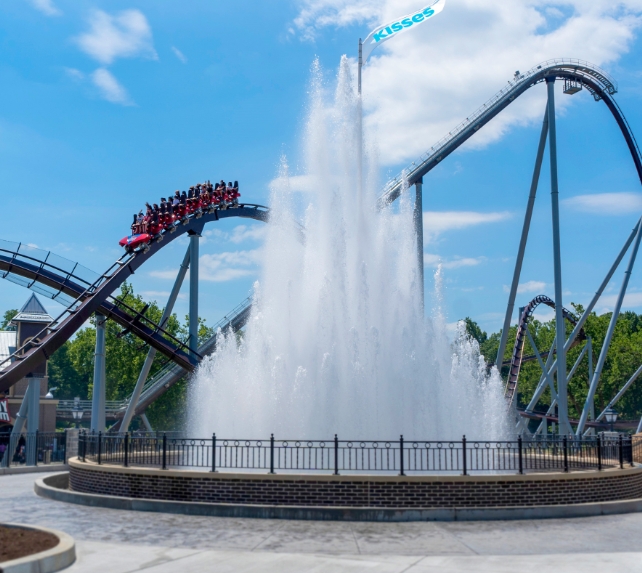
623, 359
71, 367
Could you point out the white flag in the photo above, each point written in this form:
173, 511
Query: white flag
382, 33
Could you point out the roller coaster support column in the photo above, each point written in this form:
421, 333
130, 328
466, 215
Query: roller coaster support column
21, 417
587, 311
193, 291
522, 242
419, 230
609, 333
560, 326
33, 420
98, 394
144, 372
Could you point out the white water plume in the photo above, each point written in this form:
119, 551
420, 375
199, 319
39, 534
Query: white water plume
337, 341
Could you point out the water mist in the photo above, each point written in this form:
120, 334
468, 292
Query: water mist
337, 341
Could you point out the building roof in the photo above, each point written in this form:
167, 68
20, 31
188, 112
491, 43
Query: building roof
7, 345
32, 311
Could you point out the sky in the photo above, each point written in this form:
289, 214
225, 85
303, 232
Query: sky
106, 105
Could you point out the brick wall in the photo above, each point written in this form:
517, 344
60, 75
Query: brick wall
348, 491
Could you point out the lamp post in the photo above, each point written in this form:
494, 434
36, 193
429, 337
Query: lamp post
611, 416
77, 412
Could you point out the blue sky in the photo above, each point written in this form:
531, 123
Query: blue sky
106, 105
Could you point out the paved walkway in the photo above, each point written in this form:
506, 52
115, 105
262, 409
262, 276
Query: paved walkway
112, 541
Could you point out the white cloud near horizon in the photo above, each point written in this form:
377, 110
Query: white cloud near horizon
47, 7
109, 87
463, 56
126, 34
221, 267
433, 260
606, 203
529, 286
631, 300
179, 54
438, 222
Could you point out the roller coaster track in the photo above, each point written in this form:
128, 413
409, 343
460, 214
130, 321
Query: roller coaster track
518, 349
596, 81
95, 295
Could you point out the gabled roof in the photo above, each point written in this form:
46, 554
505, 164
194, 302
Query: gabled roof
32, 311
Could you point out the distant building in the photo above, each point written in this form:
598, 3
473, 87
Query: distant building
29, 321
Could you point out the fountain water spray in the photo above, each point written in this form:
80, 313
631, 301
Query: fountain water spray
337, 341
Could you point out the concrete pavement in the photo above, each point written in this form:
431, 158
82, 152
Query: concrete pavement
113, 541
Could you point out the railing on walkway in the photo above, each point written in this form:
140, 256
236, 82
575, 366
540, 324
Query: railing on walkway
39, 448
549, 454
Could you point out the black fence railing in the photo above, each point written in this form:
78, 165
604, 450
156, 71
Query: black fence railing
39, 448
549, 454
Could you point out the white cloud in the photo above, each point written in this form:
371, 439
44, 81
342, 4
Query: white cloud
295, 183
437, 222
179, 54
223, 267
529, 286
606, 203
432, 260
109, 87
465, 55
239, 234
47, 7
124, 35
631, 300
74, 74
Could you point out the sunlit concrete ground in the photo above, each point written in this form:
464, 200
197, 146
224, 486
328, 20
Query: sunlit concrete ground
122, 541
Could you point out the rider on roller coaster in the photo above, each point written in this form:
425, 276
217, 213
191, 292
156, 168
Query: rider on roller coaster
202, 197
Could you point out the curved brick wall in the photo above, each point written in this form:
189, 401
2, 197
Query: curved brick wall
357, 491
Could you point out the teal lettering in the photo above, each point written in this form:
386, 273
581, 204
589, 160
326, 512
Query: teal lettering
396, 27
418, 18
389, 30
406, 22
428, 12
380, 35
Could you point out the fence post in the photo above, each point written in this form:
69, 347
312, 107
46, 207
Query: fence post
213, 452
336, 455
272, 453
519, 454
463, 452
82, 442
35, 449
565, 444
401, 455
164, 451
599, 452
126, 460
621, 447
100, 435
631, 451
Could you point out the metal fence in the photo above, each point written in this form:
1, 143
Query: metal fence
39, 448
344, 456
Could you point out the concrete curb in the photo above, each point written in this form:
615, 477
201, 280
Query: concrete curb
55, 487
54, 559
33, 469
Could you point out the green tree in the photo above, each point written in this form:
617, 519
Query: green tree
6, 319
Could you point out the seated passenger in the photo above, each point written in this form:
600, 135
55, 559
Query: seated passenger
177, 198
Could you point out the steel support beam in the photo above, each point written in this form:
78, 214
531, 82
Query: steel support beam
33, 420
522, 242
560, 326
193, 291
587, 312
151, 354
146, 423
549, 379
98, 394
418, 216
609, 333
21, 418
